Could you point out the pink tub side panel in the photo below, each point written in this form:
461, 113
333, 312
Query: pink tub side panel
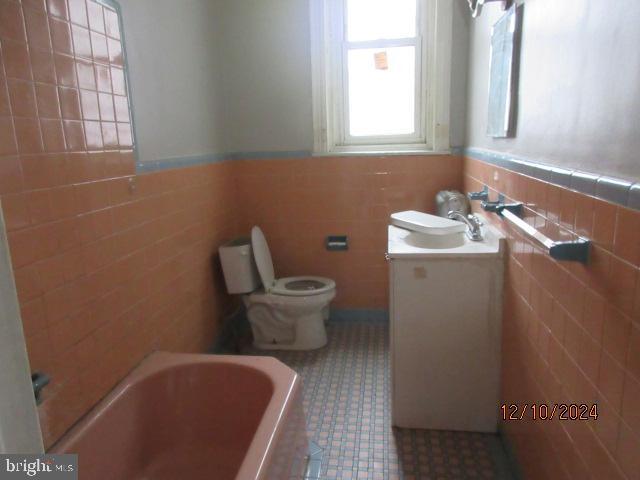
191, 416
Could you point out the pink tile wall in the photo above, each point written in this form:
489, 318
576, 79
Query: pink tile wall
298, 202
107, 270
109, 265
571, 332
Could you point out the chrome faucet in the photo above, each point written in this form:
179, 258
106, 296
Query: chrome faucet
473, 224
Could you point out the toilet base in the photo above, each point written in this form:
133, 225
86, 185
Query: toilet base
310, 334
280, 322
288, 323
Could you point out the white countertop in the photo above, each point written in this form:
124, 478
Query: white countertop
404, 244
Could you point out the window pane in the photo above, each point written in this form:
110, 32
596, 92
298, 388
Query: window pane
376, 19
381, 91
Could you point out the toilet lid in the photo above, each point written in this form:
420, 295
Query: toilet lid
262, 256
426, 223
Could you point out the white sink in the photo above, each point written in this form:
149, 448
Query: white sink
408, 244
422, 240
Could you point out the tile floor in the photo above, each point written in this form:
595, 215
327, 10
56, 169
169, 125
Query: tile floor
347, 400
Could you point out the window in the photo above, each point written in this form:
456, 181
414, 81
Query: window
381, 72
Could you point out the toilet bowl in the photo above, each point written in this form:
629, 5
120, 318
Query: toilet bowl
285, 314
281, 322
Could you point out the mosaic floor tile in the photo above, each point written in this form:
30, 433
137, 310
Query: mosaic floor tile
347, 400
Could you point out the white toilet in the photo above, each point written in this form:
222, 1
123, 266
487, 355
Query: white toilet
285, 314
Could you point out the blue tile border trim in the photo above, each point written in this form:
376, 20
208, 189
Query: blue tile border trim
269, 155
195, 160
634, 196
615, 190
584, 182
180, 162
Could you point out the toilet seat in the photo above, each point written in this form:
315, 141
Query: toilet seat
303, 286
296, 301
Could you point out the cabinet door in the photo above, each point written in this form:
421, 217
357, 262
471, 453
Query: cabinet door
445, 344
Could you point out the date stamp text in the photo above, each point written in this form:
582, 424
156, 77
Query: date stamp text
545, 411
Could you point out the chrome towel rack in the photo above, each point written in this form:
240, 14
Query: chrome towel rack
574, 250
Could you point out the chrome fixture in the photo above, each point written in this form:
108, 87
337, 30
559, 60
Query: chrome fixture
39, 381
474, 231
498, 205
448, 200
476, 5
481, 195
573, 250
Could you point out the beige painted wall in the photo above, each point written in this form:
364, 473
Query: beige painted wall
579, 85
175, 71
266, 75
211, 76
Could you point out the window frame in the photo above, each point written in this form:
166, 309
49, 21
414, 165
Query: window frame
330, 81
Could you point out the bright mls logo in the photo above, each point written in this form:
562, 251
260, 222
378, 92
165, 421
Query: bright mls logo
51, 467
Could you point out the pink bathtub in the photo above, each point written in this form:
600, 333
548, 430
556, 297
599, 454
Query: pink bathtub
180, 416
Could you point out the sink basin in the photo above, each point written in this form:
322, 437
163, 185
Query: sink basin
409, 244
421, 240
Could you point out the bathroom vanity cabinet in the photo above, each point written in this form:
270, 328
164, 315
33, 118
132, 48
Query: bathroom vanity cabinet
445, 322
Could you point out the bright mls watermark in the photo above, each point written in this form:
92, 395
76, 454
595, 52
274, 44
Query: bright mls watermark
50, 467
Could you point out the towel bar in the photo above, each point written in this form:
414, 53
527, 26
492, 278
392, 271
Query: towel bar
576, 250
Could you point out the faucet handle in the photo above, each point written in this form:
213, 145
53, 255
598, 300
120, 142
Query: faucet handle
474, 218
481, 195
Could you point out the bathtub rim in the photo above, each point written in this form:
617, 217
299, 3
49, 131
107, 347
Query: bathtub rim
285, 382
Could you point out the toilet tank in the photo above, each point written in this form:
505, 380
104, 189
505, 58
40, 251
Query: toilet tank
238, 266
